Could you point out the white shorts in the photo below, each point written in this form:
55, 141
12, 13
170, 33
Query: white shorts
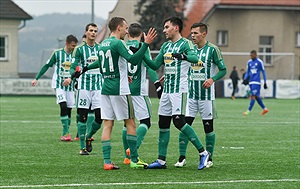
172, 104
142, 107
65, 96
87, 99
117, 107
206, 108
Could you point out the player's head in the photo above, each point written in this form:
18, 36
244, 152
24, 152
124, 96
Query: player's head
135, 30
91, 31
71, 42
172, 26
253, 54
119, 26
83, 38
198, 32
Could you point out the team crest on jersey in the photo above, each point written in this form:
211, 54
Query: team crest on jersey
168, 59
66, 65
92, 59
203, 55
198, 66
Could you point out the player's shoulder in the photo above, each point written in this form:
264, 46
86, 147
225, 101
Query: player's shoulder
260, 60
211, 45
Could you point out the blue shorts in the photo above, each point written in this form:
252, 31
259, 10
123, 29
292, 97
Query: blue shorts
255, 89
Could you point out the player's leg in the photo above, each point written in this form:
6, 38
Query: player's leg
77, 120
253, 90
70, 104
61, 99
125, 146
179, 106
261, 104
95, 124
90, 120
108, 116
142, 111
83, 104
208, 113
164, 122
123, 109
191, 112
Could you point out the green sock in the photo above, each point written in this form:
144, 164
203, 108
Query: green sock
210, 142
193, 138
131, 140
125, 143
183, 143
81, 134
140, 133
163, 141
64, 121
95, 127
89, 122
69, 122
106, 148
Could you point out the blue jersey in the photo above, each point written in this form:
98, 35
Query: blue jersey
254, 67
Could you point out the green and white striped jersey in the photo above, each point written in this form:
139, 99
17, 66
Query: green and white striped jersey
84, 55
61, 60
209, 59
139, 73
176, 71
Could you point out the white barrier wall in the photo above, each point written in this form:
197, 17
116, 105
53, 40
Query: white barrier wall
284, 89
23, 87
242, 89
287, 89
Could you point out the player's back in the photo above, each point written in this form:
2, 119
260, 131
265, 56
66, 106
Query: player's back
113, 53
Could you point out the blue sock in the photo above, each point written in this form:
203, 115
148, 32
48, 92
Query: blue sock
260, 102
252, 101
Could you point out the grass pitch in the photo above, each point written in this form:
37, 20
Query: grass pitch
251, 152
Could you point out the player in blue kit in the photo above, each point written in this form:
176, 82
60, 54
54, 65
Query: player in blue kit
255, 66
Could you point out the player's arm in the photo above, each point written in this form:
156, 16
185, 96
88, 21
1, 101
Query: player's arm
264, 75
126, 53
50, 62
188, 54
219, 61
75, 68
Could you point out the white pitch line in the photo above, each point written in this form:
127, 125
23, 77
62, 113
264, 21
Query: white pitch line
153, 183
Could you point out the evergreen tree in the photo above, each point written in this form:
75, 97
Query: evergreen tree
154, 12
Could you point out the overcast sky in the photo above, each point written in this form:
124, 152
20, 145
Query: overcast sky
40, 7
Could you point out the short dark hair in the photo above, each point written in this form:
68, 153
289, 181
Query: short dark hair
135, 30
176, 21
203, 27
114, 22
83, 36
253, 52
90, 24
71, 38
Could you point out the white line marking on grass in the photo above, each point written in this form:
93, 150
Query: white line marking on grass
234, 147
153, 183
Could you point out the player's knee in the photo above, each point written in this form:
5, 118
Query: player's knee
179, 121
208, 126
83, 113
146, 122
98, 116
63, 109
189, 120
164, 122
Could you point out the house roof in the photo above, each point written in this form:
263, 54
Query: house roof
9, 10
200, 10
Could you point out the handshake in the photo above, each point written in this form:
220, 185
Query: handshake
77, 72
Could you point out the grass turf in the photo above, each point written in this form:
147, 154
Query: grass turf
251, 151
